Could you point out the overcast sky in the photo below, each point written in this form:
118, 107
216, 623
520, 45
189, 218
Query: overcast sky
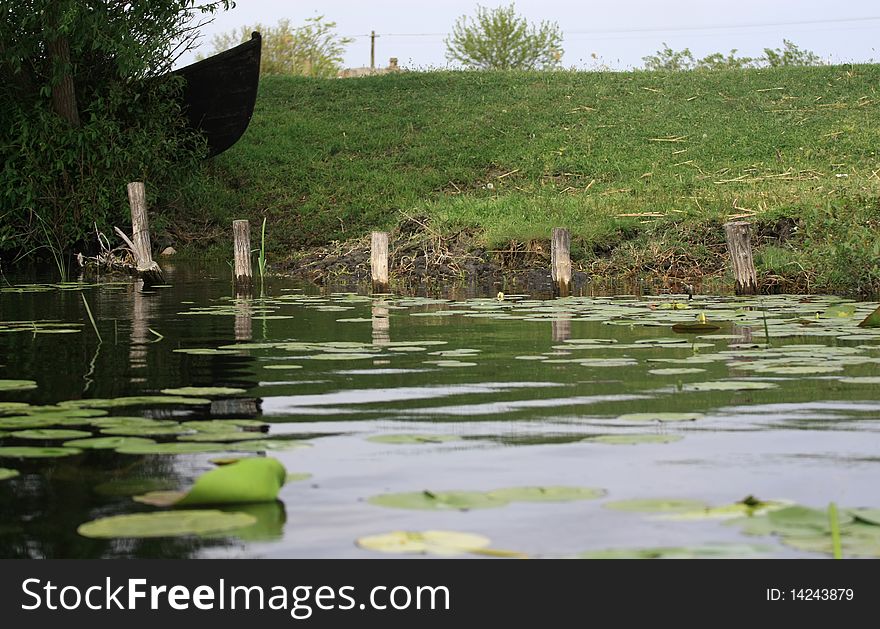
618, 32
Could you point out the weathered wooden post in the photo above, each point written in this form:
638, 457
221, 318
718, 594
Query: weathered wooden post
139, 243
740, 247
242, 275
379, 261
560, 261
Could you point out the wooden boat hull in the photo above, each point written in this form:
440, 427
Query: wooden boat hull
220, 93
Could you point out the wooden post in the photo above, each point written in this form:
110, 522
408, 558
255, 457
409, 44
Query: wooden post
379, 261
372, 50
740, 247
560, 261
139, 243
242, 274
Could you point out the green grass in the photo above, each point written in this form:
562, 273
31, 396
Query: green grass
512, 155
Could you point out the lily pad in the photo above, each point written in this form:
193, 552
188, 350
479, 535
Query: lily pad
444, 543
660, 417
869, 516
203, 391
17, 385
50, 435
439, 501
627, 440
145, 431
160, 498
237, 435
711, 551
860, 380
107, 443
872, 320
295, 477
260, 445
165, 524
6, 473
547, 494
675, 371
36, 452
173, 448
729, 385
657, 505
412, 438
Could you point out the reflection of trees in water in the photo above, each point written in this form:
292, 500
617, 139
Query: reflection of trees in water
46, 504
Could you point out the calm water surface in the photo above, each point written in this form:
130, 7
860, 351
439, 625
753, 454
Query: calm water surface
522, 397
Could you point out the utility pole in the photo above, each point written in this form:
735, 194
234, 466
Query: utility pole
372, 50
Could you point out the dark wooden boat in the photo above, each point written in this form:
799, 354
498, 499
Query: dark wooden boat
220, 93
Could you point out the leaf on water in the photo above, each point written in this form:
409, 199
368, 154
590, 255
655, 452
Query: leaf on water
728, 385
253, 479
173, 448
860, 380
657, 505
872, 320
412, 438
50, 434
37, 453
675, 371
438, 501
294, 477
17, 385
203, 391
660, 417
7, 473
145, 431
160, 498
868, 516
165, 524
260, 445
232, 435
626, 440
283, 366
106, 443
444, 543
547, 494
131, 486
711, 551
744, 508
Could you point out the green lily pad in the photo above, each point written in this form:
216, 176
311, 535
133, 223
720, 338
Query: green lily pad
283, 366
743, 508
259, 445
173, 448
36, 452
160, 498
131, 486
872, 320
49, 435
222, 425
800, 369
236, 435
107, 443
626, 440
341, 356
17, 385
694, 327
203, 391
546, 494
136, 400
295, 477
413, 438
729, 385
657, 505
6, 473
869, 516
165, 524
443, 543
860, 380
438, 501
254, 479
660, 417
145, 431
712, 551
675, 371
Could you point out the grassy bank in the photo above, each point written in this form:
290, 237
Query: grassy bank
642, 167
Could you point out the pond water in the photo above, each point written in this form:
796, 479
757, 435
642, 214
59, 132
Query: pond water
719, 442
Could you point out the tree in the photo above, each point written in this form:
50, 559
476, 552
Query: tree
313, 49
498, 39
85, 108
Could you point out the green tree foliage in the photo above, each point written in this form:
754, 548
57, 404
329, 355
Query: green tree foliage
499, 39
313, 49
669, 60
85, 109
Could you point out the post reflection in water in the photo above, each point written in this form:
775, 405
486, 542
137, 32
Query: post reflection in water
381, 323
561, 329
141, 308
